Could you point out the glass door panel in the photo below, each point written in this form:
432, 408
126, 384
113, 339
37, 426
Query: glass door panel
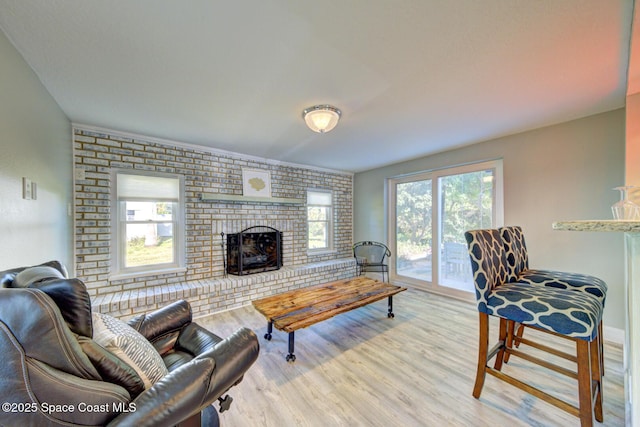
413, 232
466, 202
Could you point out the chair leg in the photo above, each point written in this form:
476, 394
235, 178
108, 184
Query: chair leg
519, 334
584, 383
483, 352
596, 377
601, 348
502, 337
512, 334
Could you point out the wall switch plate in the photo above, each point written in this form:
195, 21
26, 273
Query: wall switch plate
26, 189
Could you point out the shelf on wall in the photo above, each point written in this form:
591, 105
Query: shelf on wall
233, 198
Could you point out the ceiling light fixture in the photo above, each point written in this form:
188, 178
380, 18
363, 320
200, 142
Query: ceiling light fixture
321, 118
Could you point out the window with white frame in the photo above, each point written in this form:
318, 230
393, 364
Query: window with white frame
320, 220
148, 225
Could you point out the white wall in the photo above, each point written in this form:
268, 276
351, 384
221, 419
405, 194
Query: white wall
35, 142
561, 172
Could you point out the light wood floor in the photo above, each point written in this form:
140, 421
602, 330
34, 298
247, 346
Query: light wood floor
362, 369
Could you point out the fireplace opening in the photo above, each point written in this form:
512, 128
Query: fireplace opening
254, 250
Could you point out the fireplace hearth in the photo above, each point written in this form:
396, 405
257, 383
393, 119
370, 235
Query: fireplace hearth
254, 250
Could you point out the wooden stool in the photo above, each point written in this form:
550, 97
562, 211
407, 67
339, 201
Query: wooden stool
564, 313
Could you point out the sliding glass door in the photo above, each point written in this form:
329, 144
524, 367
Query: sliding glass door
428, 215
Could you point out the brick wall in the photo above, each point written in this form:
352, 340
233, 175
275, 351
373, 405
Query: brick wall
205, 171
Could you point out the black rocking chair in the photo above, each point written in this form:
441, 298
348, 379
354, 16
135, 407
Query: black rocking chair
370, 257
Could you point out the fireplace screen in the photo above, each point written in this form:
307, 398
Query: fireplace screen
254, 250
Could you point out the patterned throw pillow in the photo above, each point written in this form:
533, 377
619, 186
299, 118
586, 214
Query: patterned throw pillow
130, 346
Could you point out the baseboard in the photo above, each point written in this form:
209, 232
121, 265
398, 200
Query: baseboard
613, 335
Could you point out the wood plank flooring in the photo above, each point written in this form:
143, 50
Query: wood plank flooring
361, 368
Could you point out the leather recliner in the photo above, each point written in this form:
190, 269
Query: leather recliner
54, 374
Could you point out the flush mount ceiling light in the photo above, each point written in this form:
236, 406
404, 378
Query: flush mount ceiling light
321, 118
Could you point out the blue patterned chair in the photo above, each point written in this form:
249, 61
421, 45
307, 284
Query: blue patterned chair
518, 266
519, 271
564, 313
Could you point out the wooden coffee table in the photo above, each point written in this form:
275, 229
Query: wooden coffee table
297, 309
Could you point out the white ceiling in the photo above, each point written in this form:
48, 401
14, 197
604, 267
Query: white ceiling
412, 77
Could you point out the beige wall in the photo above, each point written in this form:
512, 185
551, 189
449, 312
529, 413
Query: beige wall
632, 157
561, 172
35, 143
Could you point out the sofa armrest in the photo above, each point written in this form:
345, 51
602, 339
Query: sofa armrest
176, 397
196, 340
161, 327
233, 355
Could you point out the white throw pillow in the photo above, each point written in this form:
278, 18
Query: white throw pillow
31, 275
130, 346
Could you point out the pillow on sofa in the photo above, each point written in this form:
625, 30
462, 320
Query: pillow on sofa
8, 276
73, 300
70, 295
111, 368
130, 346
32, 275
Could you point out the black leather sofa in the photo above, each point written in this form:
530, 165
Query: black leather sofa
53, 373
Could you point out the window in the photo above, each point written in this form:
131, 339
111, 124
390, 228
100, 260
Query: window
428, 215
148, 225
320, 220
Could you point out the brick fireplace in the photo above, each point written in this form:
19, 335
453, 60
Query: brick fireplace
97, 151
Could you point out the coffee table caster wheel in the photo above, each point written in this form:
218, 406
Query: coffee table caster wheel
267, 337
390, 315
291, 358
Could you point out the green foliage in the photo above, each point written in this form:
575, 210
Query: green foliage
317, 235
163, 208
465, 203
413, 212
140, 254
413, 219
318, 220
